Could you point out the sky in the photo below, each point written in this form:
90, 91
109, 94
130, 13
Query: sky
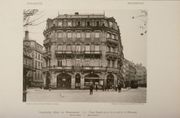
131, 24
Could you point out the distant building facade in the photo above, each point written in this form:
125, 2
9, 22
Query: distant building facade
82, 49
133, 73
27, 64
141, 75
37, 60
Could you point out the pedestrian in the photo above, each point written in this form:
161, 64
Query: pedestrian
116, 87
91, 89
119, 87
96, 87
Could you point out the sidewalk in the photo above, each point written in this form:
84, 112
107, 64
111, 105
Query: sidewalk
125, 96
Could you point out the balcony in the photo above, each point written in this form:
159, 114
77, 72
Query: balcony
57, 68
47, 41
93, 68
111, 41
92, 52
112, 55
47, 54
80, 27
81, 68
60, 52
112, 69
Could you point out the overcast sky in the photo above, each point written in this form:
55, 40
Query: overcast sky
130, 24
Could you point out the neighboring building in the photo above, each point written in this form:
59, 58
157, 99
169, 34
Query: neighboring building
141, 75
37, 57
82, 49
128, 72
27, 64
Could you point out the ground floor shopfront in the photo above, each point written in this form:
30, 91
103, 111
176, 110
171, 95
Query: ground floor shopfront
79, 80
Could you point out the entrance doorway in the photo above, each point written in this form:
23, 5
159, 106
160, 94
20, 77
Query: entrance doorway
64, 81
110, 80
92, 78
77, 80
47, 80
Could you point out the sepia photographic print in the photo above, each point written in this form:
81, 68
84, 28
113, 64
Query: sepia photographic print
85, 55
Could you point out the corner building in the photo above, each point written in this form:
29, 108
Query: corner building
80, 49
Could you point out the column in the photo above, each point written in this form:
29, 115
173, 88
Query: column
115, 79
73, 81
82, 81
104, 77
53, 80
44, 79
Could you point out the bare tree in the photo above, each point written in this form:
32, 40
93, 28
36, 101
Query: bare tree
32, 17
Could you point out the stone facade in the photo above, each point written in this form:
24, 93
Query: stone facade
37, 60
82, 49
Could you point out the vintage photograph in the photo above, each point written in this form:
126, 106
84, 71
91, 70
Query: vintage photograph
85, 55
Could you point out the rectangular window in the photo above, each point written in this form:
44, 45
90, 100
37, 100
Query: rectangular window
78, 35
68, 48
97, 48
64, 47
97, 23
78, 23
108, 49
60, 23
59, 63
113, 63
69, 23
73, 48
64, 62
69, 62
110, 24
87, 35
111, 49
108, 35
60, 35
78, 48
88, 23
113, 36
108, 63
69, 35
60, 48
97, 35
87, 47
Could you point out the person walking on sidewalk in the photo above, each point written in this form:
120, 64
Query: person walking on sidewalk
91, 89
119, 87
96, 87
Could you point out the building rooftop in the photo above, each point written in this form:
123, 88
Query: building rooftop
77, 15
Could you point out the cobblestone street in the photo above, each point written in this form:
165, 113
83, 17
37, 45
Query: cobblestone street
125, 96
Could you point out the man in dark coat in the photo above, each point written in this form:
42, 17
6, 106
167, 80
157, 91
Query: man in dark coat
119, 87
91, 89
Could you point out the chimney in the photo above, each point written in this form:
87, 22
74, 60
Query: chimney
26, 35
76, 13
